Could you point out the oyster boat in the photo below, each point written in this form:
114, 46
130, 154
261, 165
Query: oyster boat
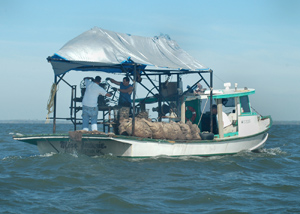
224, 118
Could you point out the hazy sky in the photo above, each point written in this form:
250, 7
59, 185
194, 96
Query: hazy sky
253, 43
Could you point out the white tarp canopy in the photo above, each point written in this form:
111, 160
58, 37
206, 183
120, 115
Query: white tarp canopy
102, 50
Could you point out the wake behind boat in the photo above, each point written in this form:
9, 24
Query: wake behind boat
195, 121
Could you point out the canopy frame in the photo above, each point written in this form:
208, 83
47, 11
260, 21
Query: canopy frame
147, 73
101, 50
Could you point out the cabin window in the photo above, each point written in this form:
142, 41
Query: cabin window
228, 102
245, 107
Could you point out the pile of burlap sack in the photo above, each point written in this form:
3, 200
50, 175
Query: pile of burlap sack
160, 130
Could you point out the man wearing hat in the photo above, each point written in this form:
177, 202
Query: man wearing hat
90, 102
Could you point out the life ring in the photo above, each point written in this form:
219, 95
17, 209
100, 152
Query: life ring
194, 114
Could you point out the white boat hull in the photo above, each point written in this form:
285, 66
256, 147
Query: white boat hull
137, 147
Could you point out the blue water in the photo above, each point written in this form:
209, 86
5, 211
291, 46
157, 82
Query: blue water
265, 182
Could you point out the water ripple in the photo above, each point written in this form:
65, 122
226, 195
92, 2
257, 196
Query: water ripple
248, 182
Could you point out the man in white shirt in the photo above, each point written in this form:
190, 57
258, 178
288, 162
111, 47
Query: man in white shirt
227, 124
90, 102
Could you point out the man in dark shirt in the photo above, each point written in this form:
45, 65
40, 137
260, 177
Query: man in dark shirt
125, 91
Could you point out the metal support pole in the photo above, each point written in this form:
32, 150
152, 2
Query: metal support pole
75, 118
202, 78
72, 106
109, 118
183, 111
237, 106
159, 99
211, 100
158, 90
54, 107
220, 118
196, 84
146, 88
177, 95
103, 119
133, 102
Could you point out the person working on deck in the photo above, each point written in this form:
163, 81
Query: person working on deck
90, 102
125, 91
227, 125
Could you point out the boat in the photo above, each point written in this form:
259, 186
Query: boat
149, 59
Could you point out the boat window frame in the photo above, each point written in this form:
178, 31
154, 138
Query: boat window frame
243, 104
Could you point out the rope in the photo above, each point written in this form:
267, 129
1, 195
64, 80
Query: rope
50, 103
219, 78
256, 111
